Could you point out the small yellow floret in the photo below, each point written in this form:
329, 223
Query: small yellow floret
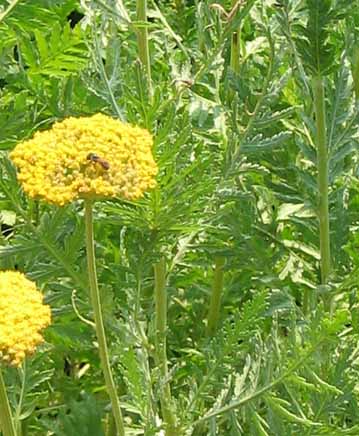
55, 166
22, 317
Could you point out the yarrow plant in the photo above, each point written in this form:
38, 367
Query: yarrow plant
23, 316
238, 275
89, 158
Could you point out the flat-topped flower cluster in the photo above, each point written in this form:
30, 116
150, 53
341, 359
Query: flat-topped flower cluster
86, 157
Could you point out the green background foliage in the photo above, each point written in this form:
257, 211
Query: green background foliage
237, 181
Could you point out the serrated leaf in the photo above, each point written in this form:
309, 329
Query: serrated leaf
270, 118
259, 144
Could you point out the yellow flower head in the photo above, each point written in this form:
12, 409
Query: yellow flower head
22, 317
88, 157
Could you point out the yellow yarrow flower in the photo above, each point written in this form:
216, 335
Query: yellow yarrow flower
86, 157
22, 317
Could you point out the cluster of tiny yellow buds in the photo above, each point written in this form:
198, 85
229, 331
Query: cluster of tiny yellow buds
23, 316
86, 157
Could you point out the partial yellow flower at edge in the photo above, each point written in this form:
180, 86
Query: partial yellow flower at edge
23, 316
86, 157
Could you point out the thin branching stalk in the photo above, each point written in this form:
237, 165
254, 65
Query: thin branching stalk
99, 326
258, 393
169, 29
322, 163
161, 352
8, 9
102, 71
6, 421
216, 296
142, 41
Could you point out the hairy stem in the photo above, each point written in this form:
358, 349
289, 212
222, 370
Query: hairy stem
322, 163
142, 41
6, 422
99, 326
161, 353
216, 296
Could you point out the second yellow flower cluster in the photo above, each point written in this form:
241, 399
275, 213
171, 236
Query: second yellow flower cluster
23, 316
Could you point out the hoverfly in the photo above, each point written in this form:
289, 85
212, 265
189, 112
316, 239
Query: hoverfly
93, 157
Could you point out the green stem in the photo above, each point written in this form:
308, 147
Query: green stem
8, 9
161, 353
216, 296
6, 421
111, 426
234, 59
142, 40
18, 412
355, 72
100, 330
235, 52
322, 163
235, 49
306, 301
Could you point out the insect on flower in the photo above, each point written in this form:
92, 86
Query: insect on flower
97, 164
97, 159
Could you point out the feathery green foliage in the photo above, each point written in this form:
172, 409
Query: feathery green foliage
238, 164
